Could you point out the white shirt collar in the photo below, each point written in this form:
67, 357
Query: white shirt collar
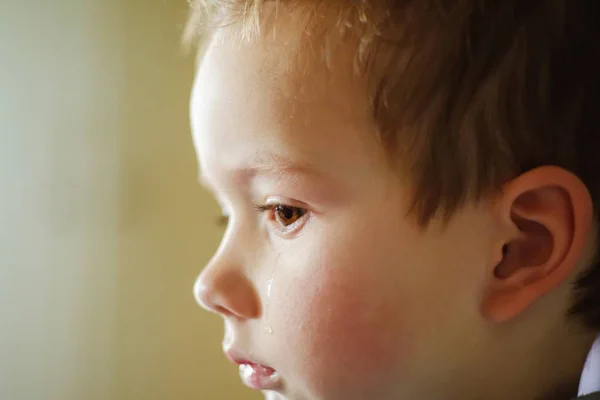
590, 379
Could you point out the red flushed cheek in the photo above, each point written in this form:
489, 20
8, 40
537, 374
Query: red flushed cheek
345, 332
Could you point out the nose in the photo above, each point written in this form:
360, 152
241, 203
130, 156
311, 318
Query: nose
226, 290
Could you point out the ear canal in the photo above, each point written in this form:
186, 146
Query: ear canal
531, 249
545, 217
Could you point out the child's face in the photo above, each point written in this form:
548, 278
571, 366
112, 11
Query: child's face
339, 291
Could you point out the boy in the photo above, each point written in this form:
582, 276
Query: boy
410, 188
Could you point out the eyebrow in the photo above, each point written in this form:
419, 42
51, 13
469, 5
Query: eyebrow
271, 166
326, 191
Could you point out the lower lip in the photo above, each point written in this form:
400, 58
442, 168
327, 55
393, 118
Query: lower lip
259, 377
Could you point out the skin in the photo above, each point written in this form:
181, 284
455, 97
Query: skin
355, 300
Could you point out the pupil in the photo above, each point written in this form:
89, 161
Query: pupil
288, 212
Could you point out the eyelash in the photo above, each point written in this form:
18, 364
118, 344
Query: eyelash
299, 213
274, 208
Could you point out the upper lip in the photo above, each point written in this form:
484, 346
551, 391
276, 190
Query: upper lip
239, 359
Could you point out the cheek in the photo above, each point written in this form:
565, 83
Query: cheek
343, 328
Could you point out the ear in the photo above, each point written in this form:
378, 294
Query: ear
545, 218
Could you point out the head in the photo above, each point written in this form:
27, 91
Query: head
410, 190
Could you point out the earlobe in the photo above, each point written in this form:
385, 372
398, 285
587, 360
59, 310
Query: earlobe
547, 216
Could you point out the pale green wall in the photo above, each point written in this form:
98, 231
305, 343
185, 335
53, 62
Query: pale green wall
102, 226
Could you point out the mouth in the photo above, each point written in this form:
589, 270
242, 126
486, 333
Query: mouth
255, 375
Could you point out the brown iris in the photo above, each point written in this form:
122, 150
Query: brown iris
286, 215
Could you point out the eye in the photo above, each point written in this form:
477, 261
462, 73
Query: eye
287, 215
287, 219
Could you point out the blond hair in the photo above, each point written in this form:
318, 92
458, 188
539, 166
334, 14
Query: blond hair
471, 92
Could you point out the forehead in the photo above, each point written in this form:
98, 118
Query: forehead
287, 64
275, 93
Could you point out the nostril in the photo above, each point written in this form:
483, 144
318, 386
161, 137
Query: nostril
222, 304
227, 292
222, 310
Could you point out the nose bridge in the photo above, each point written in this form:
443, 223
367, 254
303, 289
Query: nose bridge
224, 287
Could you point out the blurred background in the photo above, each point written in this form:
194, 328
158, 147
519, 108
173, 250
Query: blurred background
103, 227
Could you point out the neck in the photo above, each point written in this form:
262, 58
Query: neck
553, 372
562, 392
527, 366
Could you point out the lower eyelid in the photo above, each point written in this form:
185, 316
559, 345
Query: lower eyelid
293, 228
